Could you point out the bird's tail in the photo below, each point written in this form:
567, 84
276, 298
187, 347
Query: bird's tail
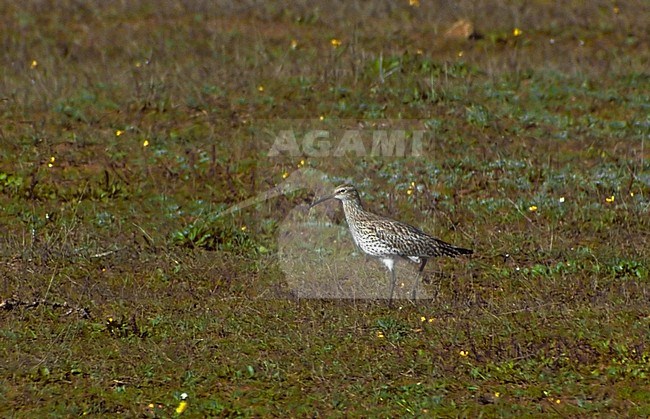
453, 251
462, 251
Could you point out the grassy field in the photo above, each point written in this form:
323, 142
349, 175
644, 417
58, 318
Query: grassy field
128, 128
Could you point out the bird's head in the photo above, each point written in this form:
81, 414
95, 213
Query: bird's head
343, 193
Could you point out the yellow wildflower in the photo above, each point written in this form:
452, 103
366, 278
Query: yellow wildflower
33, 64
335, 42
145, 143
181, 407
517, 32
532, 208
609, 199
118, 132
411, 189
463, 353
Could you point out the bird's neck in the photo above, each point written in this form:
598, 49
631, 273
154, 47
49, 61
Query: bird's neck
352, 209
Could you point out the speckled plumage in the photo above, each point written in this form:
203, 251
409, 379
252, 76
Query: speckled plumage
386, 239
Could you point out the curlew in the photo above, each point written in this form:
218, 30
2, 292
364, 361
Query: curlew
389, 240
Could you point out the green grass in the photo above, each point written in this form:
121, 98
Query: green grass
128, 129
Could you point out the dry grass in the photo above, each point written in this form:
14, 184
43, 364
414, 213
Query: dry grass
129, 127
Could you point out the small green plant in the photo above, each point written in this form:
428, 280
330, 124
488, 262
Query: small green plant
10, 183
216, 236
478, 115
391, 329
629, 269
123, 328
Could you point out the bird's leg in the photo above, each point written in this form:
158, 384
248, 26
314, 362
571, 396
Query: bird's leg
393, 281
417, 278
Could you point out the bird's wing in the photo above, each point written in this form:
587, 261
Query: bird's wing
406, 240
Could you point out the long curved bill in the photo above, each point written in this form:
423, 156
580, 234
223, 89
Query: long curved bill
323, 199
